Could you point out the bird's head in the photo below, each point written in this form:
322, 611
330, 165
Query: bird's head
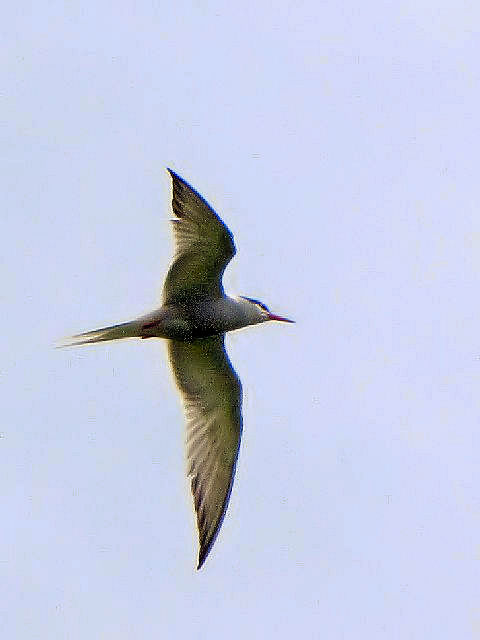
258, 312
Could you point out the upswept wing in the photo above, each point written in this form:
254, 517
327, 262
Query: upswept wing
212, 398
203, 247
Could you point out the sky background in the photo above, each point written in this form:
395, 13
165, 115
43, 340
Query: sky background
339, 142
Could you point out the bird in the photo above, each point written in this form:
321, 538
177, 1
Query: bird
193, 318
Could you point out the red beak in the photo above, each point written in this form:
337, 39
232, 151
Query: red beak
272, 316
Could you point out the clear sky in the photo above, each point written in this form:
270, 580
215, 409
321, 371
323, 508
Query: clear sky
339, 142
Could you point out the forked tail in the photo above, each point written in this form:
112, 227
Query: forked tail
130, 329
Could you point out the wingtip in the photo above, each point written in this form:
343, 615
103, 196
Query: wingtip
204, 552
176, 176
173, 173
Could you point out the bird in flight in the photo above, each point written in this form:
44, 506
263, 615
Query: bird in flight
194, 317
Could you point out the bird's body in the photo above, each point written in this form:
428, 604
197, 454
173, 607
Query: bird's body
194, 317
180, 321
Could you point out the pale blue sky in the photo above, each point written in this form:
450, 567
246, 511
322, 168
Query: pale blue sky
339, 142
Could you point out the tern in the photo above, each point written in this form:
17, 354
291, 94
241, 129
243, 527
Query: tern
194, 317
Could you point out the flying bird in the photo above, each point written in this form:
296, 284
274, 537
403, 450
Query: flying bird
194, 317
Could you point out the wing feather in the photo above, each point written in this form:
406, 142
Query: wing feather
212, 398
203, 247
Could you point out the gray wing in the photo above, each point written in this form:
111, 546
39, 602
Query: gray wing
212, 398
203, 247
